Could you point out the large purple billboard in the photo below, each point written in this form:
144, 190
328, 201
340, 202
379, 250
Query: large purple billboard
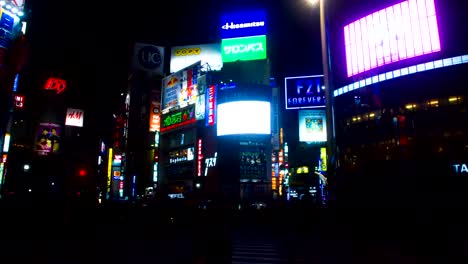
374, 41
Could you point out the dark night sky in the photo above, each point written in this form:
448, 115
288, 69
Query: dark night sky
88, 43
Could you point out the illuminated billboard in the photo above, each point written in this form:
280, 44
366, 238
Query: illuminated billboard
180, 88
48, 138
184, 56
304, 92
155, 111
242, 24
312, 126
74, 117
244, 49
399, 32
148, 58
244, 117
178, 119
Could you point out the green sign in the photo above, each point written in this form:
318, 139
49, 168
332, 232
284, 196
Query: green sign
178, 119
244, 49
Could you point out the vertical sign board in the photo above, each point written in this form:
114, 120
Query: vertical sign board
155, 111
304, 92
211, 105
74, 117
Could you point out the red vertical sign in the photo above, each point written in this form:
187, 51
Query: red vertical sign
199, 157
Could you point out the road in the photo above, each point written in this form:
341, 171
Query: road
31, 235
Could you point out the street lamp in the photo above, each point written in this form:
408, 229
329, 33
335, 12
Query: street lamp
328, 87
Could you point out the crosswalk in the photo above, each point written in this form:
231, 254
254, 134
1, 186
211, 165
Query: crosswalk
261, 252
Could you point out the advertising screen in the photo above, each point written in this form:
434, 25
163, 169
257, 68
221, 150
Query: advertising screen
8, 21
398, 32
304, 92
242, 24
312, 126
180, 88
184, 56
244, 117
244, 49
48, 138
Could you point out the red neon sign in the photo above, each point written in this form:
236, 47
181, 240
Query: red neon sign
199, 157
55, 84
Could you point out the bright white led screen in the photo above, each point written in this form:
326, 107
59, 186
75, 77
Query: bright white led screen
244, 117
402, 31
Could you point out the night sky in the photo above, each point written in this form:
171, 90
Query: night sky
88, 43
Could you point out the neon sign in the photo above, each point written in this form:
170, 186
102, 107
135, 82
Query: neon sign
460, 168
199, 157
178, 119
19, 101
396, 33
56, 84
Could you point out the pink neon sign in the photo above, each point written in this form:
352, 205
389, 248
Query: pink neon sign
396, 33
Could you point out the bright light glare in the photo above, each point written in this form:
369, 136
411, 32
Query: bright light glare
244, 117
2, 3
313, 2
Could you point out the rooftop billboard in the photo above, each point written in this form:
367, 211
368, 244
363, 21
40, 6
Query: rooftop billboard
244, 49
243, 24
184, 56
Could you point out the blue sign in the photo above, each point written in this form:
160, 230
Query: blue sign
304, 92
149, 57
243, 24
7, 23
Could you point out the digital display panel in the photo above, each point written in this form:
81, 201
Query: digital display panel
244, 49
304, 92
242, 24
312, 126
244, 117
399, 32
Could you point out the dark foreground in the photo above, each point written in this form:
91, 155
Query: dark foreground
125, 234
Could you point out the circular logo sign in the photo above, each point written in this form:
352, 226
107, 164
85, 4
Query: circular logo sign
149, 57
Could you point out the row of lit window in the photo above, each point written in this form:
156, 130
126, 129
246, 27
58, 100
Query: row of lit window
453, 100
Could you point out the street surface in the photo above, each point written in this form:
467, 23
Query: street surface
142, 235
